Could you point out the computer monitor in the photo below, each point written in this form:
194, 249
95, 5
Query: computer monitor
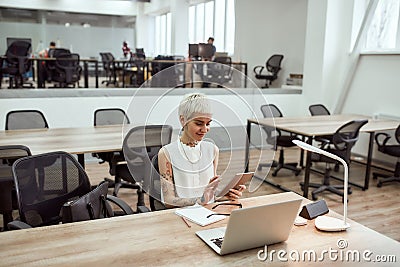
139, 50
206, 51
193, 50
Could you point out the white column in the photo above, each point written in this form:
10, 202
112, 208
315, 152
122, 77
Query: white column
179, 31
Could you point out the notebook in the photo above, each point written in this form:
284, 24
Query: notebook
253, 227
200, 215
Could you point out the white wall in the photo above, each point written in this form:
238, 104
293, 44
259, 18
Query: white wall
266, 27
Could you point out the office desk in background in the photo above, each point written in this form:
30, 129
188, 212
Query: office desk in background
162, 238
72, 140
312, 126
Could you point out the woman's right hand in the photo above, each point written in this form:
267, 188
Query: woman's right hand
209, 191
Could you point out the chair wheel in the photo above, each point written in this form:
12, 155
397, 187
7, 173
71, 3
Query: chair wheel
297, 172
314, 197
379, 184
274, 174
349, 191
374, 176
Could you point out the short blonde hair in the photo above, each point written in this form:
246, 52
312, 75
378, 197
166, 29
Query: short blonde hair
194, 104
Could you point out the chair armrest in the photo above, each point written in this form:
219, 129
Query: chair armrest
258, 69
121, 204
380, 136
18, 225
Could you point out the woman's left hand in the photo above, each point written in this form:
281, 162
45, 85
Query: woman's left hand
235, 194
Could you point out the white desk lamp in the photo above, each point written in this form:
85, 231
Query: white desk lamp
326, 223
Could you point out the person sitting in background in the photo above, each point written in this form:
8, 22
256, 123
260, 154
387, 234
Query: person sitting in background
125, 49
211, 42
46, 53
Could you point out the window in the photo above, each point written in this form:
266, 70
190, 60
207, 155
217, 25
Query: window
213, 18
383, 33
163, 34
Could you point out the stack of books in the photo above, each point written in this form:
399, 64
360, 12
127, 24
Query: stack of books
295, 79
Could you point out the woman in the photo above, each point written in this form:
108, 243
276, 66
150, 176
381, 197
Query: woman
188, 166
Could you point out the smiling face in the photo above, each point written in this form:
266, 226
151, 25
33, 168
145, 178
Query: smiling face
195, 129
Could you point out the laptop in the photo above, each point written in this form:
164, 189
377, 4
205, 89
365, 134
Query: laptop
253, 227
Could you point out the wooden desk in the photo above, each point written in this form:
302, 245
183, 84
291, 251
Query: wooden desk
72, 140
162, 238
312, 126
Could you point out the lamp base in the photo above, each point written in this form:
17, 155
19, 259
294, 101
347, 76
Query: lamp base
330, 224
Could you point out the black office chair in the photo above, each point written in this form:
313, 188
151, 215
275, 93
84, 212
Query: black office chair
392, 150
8, 198
154, 190
276, 138
320, 110
17, 63
110, 116
163, 75
140, 145
139, 54
342, 142
272, 66
221, 72
110, 68
134, 69
67, 71
43, 184
25, 119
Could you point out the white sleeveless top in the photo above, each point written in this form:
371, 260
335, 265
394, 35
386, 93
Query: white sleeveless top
192, 167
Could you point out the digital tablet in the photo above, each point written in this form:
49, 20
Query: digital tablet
226, 184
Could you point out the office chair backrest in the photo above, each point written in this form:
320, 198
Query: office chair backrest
9, 154
25, 119
67, 68
44, 183
144, 142
18, 49
271, 111
56, 52
397, 134
155, 187
346, 136
318, 109
110, 116
273, 64
17, 55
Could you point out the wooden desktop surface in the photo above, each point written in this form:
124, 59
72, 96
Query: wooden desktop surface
162, 238
323, 125
78, 140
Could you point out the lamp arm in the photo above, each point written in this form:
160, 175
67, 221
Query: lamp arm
314, 149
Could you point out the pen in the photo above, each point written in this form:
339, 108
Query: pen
186, 222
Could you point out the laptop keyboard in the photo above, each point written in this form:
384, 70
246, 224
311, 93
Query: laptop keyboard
218, 241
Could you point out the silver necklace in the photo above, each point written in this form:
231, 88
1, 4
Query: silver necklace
187, 157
